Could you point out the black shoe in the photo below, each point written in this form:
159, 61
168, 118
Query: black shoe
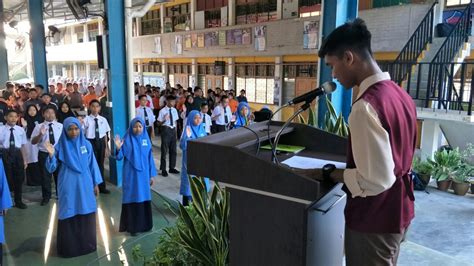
133, 234
164, 173
44, 202
174, 171
21, 205
104, 191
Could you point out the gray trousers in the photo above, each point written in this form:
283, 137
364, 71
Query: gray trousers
366, 249
168, 144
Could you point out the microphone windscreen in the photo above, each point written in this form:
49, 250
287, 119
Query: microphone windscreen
329, 87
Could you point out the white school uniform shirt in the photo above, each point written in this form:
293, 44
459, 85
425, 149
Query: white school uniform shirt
18, 133
149, 112
57, 130
89, 126
206, 120
166, 122
220, 113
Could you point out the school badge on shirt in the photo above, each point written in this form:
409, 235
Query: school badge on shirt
144, 142
83, 149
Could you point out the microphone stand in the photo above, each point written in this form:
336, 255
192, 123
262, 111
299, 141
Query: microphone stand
287, 123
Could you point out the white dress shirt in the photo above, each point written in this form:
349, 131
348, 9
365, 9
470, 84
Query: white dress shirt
57, 130
165, 120
149, 112
370, 147
18, 133
206, 120
89, 126
220, 113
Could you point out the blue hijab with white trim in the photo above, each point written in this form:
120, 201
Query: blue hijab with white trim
70, 151
136, 147
241, 120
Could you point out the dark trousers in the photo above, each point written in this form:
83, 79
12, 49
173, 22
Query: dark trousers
168, 144
372, 249
99, 151
15, 171
149, 130
46, 177
220, 128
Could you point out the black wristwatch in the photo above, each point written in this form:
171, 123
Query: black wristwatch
327, 170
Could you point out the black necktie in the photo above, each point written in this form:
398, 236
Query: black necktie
97, 136
51, 134
171, 118
225, 116
147, 123
12, 140
204, 119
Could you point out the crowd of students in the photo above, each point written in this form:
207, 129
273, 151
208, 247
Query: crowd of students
64, 135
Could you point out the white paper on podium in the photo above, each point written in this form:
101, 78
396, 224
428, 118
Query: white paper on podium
301, 162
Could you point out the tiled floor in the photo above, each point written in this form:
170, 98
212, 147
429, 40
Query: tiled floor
441, 234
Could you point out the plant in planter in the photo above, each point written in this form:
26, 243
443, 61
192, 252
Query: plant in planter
444, 165
461, 179
423, 169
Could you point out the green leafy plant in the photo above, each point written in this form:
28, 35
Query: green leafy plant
464, 173
422, 167
201, 233
445, 164
333, 123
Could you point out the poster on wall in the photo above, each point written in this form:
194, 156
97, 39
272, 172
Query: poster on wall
230, 37
222, 37
157, 49
211, 39
260, 40
187, 41
194, 40
200, 40
178, 44
247, 36
310, 36
237, 36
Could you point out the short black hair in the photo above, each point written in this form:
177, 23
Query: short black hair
9, 111
141, 96
170, 98
203, 104
50, 106
353, 36
39, 86
46, 94
32, 89
94, 101
197, 89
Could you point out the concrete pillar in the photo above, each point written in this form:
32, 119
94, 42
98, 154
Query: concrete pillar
74, 71
86, 33
4, 76
88, 71
140, 71
162, 17
164, 67
194, 73
279, 81
279, 10
334, 14
231, 14
53, 70
431, 137
100, 26
37, 36
439, 9
138, 26
193, 6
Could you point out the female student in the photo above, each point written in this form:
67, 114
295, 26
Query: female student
243, 115
193, 130
5, 203
78, 180
29, 121
64, 112
138, 172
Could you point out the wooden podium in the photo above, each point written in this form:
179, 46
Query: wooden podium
278, 216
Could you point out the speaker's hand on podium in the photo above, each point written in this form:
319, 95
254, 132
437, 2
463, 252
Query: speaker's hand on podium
337, 176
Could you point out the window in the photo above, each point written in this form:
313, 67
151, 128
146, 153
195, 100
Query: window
256, 11
151, 22
93, 30
309, 8
457, 2
257, 80
296, 70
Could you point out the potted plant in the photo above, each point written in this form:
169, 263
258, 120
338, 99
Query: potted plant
444, 165
423, 169
461, 179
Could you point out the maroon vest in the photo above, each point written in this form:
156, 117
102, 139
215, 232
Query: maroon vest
392, 210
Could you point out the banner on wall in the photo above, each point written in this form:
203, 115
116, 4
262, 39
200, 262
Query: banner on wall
200, 39
260, 40
178, 43
187, 41
222, 38
230, 37
310, 34
157, 49
194, 40
211, 39
247, 36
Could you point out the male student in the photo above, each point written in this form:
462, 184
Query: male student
206, 119
97, 130
48, 131
382, 141
13, 148
222, 115
168, 118
146, 113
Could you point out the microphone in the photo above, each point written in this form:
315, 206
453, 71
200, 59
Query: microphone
327, 88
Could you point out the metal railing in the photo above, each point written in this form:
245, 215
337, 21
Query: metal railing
452, 92
415, 46
458, 36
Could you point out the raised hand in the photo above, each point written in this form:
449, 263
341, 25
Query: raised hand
118, 142
43, 129
188, 131
23, 122
49, 147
